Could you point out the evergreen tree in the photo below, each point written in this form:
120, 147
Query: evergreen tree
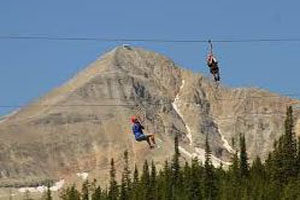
221, 182
291, 190
70, 193
123, 191
186, 179
273, 167
234, 181
95, 190
257, 170
145, 181
97, 194
166, 184
105, 194
195, 190
175, 169
298, 159
85, 190
233, 142
135, 192
47, 195
234, 168
153, 183
160, 185
126, 181
210, 188
274, 162
127, 172
283, 160
113, 192
289, 146
257, 179
244, 165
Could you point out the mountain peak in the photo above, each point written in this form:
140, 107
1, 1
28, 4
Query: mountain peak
82, 124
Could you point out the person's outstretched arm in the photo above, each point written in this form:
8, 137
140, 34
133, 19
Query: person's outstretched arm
142, 127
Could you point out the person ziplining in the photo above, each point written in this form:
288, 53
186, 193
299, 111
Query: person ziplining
139, 135
212, 63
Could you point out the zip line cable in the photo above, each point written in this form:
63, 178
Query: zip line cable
99, 39
262, 97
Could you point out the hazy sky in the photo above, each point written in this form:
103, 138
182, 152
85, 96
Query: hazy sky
31, 68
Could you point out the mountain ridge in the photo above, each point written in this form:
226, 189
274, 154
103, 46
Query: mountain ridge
79, 126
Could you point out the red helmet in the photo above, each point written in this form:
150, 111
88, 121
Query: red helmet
133, 119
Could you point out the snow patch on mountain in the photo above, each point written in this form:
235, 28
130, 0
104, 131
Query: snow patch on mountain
200, 154
42, 188
187, 153
226, 144
83, 175
176, 105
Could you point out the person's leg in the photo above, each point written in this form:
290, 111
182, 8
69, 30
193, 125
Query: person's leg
217, 73
149, 143
152, 138
145, 138
218, 77
215, 77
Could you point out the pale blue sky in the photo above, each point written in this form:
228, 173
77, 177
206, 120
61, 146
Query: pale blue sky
31, 68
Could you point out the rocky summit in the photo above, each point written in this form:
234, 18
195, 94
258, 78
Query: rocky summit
77, 128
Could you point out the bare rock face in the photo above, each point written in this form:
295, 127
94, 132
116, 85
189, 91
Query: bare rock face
83, 124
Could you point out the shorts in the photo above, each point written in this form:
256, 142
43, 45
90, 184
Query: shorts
141, 138
214, 70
